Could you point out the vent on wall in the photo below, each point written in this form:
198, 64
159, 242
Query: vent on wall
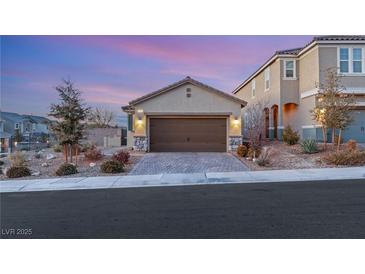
188, 92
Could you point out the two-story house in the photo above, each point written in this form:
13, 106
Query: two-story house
287, 83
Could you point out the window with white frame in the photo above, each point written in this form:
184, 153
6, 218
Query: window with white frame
357, 60
267, 79
344, 60
17, 125
289, 69
351, 60
253, 88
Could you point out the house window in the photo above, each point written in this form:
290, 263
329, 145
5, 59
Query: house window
344, 60
289, 69
33, 127
253, 88
17, 125
357, 60
130, 122
267, 79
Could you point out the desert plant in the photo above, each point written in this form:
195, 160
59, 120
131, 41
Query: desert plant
309, 146
57, 148
351, 145
1, 163
253, 153
347, 158
263, 159
17, 159
93, 154
290, 136
37, 155
242, 150
111, 166
86, 146
66, 169
18, 171
122, 156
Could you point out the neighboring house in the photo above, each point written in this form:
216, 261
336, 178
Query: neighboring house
4, 138
287, 84
185, 116
29, 126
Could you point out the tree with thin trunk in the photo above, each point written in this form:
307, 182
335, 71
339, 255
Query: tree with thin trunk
254, 122
101, 118
70, 113
333, 106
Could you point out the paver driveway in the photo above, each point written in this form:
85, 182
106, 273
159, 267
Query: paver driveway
187, 162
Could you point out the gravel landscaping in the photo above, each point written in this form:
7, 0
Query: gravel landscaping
47, 167
283, 156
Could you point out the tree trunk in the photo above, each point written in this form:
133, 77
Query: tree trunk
339, 140
333, 136
76, 153
71, 159
66, 149
324, 137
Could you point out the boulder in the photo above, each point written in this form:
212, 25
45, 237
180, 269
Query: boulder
92, 164
44, 164
50, 156
36, 173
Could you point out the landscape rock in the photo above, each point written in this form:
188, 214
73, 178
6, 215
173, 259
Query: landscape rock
50, 156
36, 173
92, 164
44, 164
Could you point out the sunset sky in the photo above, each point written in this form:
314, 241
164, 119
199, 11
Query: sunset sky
112, 70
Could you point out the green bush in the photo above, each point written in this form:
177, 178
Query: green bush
66, 169
57, 148
18, 171
290, 136
346, 158
309, 146
1, 163
111, 166
242, 150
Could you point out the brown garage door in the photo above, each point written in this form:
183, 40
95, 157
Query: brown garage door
188, 134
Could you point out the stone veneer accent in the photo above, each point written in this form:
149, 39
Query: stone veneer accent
140, 143
234, 142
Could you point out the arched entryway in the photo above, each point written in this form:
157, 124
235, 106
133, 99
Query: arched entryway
275, 113
267, 122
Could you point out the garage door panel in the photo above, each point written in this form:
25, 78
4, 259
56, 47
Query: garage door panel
188, 134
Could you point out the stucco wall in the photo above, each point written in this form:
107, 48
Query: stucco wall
175, 102
309, 70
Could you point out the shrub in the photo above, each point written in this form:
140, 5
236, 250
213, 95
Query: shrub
122, 156
309, 146
17, 159
242, 150
336, 139
111, 166
93, 154
1, 163
57, 148
18, 171
66, 169
351, 145
37, 155
346, 158
85, 147
290, 136
253, 153
1, 170
263, 159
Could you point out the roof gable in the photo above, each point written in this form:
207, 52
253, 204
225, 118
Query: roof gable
184, 81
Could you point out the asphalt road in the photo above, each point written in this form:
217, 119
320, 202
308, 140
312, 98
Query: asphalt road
270, 210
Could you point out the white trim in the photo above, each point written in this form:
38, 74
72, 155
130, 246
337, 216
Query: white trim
267, 78
350, 61
311, 126
294, 69
308, 93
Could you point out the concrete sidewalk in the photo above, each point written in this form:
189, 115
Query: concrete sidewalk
129, 181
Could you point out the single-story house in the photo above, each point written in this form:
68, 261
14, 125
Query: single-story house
186, 116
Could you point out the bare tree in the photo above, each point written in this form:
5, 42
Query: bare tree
332, 110
255, 122
101, 117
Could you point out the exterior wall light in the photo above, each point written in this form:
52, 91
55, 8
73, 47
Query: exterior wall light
15, 143
139, 120
236, 121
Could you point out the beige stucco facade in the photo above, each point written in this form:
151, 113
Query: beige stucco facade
202, 102
295, 97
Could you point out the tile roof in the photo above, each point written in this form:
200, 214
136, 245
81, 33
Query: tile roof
339, 38
294, 51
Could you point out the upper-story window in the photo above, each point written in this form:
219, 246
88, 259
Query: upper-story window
17, 126
253, 88
351, 60
289, 69
267, 79
357, 60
